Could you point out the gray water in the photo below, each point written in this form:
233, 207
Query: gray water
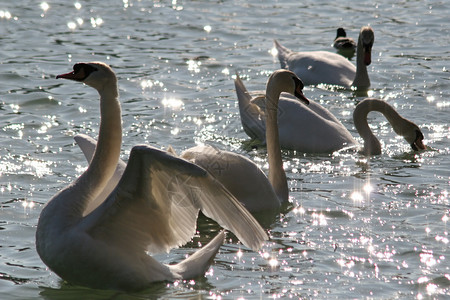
356, 227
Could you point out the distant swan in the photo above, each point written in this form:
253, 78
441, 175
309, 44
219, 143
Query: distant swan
316, 67
345, 46
242, 177
153, 208
314, 129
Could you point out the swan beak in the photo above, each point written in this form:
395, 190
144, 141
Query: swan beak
71, 75
299, 94
78, 73
418, 143
367, 57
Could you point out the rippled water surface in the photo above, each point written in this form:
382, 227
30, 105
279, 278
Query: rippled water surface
356, 227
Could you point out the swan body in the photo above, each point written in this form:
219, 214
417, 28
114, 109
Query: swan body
242, 177
314, 129
152, 208
345, 46
239, 175
316, 67
305, 128
232, 170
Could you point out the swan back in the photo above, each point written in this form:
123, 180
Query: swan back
306, 128
311, 128
238, 174
316, 67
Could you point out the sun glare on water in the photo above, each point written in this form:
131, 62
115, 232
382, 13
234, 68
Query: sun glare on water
172, 103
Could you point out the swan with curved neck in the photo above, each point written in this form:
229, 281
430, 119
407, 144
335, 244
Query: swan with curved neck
275, 86
410, 131
305, 128
316, 67
154, 208
239, 175
314, 129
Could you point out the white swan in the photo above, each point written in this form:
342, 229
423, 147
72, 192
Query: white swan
314, 129
344, 45
153, 208
309, 129
315, 67
242, 177
404, 127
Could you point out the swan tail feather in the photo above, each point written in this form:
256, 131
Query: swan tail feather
250, 113
241, 91
198, 263
171, 150
86, 144
283, 54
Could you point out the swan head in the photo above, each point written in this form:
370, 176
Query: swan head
366, 39
412, 134
286, 81
94, 74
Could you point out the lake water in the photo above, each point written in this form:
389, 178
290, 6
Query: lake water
357, 227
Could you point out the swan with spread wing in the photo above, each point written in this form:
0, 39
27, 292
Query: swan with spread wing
242, 177
101, 239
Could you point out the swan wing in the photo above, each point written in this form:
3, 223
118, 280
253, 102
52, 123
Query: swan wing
315, 67
155, 205
325, 132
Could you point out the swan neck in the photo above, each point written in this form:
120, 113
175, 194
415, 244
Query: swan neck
277, 176
362, 80
372, 145
107, 151
91, 183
